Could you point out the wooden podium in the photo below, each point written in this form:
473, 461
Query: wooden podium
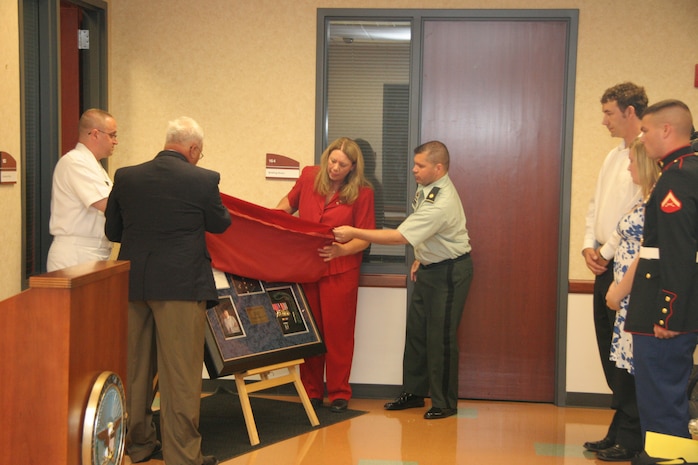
55, 339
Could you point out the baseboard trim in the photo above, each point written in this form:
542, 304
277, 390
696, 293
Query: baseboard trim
587, 399
359, 391
389, 391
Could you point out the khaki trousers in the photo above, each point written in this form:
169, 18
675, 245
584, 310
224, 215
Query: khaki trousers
165, 338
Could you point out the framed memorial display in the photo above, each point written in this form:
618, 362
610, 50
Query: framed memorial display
258, 323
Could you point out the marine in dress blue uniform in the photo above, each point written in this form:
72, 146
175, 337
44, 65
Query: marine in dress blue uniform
663, 311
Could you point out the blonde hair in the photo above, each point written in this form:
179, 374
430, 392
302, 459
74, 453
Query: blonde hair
647, 169
354, 181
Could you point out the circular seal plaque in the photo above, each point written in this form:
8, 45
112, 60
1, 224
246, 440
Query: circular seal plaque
104, 428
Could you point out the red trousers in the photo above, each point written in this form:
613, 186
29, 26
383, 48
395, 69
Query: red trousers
332, 300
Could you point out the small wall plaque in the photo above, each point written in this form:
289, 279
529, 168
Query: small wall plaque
8, 169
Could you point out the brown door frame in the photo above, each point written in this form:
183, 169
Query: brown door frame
41, 108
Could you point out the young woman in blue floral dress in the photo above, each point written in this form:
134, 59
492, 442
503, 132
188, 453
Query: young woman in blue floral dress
644, 173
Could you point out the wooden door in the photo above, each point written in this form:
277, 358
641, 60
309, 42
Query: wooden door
493, 92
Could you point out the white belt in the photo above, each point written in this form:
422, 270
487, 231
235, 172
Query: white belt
95, 242
652, 253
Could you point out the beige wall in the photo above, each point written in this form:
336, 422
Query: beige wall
245, 69
10, 142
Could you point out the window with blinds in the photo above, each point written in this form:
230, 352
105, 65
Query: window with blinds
367, 81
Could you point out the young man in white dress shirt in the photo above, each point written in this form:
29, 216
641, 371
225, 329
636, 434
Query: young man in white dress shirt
622, 106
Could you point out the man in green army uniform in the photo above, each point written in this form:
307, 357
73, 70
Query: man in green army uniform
442, 272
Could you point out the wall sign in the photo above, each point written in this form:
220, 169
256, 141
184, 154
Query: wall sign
8, 169
281, 167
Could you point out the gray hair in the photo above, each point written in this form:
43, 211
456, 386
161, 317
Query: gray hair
184, 130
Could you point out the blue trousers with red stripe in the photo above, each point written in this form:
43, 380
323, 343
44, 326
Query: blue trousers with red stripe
662, 370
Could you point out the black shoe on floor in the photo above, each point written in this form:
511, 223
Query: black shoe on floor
339, 405
596, 446
405, 400
209, 460
316, 402
436, 413
617, 453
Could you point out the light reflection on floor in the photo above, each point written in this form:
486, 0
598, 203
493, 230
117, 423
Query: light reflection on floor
482, 433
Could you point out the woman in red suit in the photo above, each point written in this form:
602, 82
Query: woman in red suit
334, 193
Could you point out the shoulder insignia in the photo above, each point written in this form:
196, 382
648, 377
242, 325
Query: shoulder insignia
432, 195
670, 204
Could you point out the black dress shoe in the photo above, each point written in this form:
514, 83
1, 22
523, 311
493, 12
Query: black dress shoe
209, 460
316, 402
617, 453
405, 400
339, 405
436, 413
596, 446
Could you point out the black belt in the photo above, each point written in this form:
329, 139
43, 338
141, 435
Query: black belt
446, 262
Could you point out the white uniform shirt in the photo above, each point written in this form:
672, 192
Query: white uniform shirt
79, 180
615, 195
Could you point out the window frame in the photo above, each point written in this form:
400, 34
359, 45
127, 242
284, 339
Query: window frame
372, 274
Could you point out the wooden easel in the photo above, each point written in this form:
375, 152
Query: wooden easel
267, 382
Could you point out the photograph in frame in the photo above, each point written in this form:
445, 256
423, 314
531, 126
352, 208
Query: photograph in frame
228, 317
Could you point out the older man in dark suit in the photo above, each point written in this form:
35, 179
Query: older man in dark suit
160, 211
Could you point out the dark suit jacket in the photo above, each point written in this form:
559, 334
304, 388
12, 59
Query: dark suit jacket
160, 211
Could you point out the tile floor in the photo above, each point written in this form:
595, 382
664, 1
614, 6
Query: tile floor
483, 432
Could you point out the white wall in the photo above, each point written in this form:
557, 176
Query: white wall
380, 336
380, 339
584, 372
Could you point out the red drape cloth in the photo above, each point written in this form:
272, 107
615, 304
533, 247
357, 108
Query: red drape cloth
269, 245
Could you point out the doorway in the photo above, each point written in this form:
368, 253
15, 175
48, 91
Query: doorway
60, 80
